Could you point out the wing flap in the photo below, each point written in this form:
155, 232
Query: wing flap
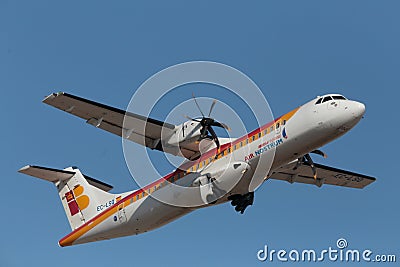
325, 175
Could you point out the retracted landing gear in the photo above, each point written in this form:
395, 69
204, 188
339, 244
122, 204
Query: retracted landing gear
241, 202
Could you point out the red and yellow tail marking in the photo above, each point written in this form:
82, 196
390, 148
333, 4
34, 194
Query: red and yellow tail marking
76, 201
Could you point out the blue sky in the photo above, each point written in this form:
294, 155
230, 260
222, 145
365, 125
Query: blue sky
104, 50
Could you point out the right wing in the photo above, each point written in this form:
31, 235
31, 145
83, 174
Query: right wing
325, 175
139, 129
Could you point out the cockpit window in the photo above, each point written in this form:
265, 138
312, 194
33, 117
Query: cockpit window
329, 97
326, 98
319, 101
338, 97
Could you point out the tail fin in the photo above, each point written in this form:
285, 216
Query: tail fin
80, 195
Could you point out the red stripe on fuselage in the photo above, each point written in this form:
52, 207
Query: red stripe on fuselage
181, 169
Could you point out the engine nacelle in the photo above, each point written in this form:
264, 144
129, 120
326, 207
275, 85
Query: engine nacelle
217, 182
188, 136
187, 132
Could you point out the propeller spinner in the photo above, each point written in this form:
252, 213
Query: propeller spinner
207, 123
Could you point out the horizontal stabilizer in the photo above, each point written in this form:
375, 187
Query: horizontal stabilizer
55, 175
48, 174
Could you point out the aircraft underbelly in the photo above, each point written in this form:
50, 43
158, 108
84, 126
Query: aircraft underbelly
152, 214
147, 215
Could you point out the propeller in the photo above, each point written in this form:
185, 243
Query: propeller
207, 123
306, 159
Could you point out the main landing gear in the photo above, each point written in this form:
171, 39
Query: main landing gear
241, 202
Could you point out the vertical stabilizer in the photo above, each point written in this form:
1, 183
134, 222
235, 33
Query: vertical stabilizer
81, 196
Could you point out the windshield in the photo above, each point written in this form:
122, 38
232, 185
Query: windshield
328, 98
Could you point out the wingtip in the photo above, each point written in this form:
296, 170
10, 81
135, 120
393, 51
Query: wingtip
21, 170
52, 96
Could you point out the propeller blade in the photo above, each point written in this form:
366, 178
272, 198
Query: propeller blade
319, 152
222, 125
214, 136
197, 104
310, 161
212, 106
203, 131
307, 159
189, 118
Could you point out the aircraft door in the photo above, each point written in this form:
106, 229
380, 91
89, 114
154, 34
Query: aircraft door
278, 127
121, 215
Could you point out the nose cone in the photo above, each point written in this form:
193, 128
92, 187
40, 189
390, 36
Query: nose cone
358, 109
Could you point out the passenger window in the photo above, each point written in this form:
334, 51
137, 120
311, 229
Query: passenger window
319, 101
277, 125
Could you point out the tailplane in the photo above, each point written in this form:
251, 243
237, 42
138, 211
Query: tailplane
82, 197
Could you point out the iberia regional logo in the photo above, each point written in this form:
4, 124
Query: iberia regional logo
284, 133
76, 200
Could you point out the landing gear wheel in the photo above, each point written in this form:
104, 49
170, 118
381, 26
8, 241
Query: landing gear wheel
241, 202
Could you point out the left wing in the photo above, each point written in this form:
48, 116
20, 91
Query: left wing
139, 129
325, 175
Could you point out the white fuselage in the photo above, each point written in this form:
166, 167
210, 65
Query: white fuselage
308, 128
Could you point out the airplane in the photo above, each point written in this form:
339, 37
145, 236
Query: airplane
96, 214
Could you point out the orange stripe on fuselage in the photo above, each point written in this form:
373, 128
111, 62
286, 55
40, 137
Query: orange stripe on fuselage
69, 239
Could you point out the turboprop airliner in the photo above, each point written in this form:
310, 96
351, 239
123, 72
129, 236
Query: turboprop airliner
226, 171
